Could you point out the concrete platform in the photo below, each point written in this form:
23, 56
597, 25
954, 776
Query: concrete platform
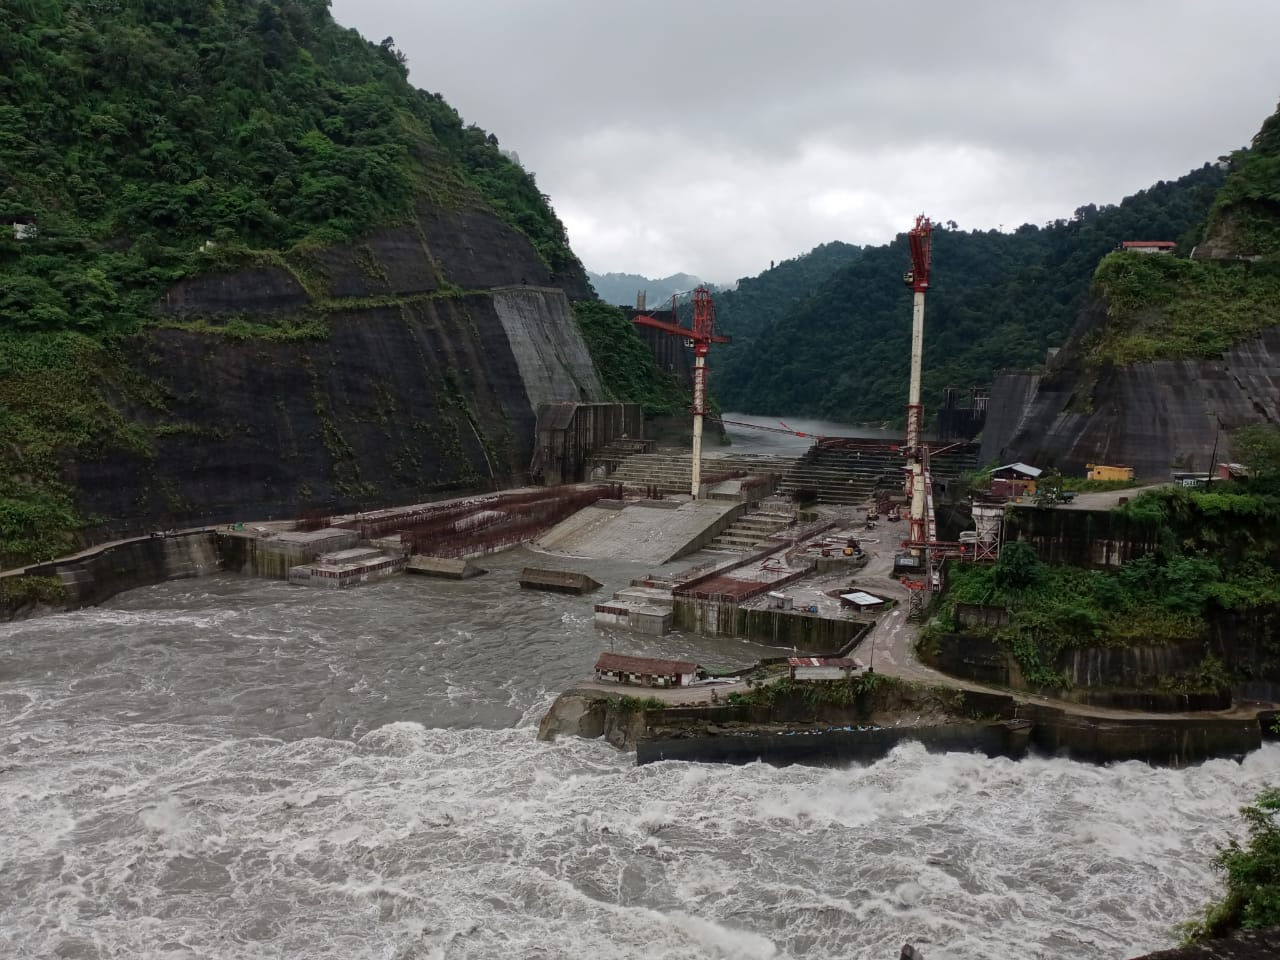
557, 581
640, 532
449, 569
653, 620
346, 568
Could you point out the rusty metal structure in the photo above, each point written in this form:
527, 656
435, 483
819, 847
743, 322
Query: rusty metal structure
484, 523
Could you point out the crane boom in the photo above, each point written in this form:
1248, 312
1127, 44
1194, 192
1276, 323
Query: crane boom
700, 337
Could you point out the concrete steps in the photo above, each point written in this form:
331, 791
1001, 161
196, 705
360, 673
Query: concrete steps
836, 476
748, 532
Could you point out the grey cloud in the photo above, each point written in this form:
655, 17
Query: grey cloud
640, 120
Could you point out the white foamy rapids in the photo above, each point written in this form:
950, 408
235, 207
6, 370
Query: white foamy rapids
160, 841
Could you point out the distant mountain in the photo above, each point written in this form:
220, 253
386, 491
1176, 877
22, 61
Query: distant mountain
840, 350
620, 289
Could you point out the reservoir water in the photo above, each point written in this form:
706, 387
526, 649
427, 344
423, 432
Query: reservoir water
232, 768
744, 439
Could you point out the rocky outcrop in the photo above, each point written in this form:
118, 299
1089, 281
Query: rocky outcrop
1242, 945
350, 377
590, 715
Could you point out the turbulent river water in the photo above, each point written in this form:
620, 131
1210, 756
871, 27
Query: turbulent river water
226, 768
233, 768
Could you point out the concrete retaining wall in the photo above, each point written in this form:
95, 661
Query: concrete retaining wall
1082, 538
837, 746
271, 558
782, 628
1164, 741
542, 333
1120, 677
101, 574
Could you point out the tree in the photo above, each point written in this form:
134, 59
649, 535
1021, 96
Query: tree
1257, 447
1252, 873
1018, 567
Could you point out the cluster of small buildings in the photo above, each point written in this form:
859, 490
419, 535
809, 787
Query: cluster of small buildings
1016, 481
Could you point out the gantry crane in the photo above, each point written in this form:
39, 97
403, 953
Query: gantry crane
700, 338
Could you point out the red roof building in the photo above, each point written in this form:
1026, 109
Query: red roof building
644, 671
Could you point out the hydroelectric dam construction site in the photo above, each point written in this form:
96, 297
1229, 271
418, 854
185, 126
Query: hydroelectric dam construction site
833, 559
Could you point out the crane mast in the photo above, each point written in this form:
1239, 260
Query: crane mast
700, 337
919, 239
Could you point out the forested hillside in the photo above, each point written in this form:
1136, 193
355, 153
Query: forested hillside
747, 311
138, 132
996, 300
247, 269
1173, 354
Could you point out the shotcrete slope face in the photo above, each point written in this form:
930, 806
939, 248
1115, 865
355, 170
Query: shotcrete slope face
233, 768
553, 366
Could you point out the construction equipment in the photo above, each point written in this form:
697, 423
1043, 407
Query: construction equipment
700, 338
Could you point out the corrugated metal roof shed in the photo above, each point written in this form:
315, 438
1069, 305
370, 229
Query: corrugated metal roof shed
1025, 469
861, 598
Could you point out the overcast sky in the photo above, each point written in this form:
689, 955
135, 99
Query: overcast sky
712, 136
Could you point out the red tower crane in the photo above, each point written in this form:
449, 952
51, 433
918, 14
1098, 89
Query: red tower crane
700, 338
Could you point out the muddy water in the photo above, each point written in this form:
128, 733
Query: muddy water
232, 768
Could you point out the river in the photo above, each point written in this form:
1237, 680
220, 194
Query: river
744, 437
232, 768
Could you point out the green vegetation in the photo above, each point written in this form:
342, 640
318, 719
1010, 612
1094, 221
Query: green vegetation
1215, 551
626, 367
836, 693
629, 705
838, 346
1166, 308
748, 311
1252, 874
1085, 485
138, 132
155, 140
1257, 447
1246, 214
18, 592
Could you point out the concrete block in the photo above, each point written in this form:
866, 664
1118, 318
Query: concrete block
557, 581
449, 569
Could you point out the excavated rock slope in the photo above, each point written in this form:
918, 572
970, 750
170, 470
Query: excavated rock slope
443, 336
1157, 417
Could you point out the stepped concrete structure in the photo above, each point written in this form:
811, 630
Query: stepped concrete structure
749, 531
846, 475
